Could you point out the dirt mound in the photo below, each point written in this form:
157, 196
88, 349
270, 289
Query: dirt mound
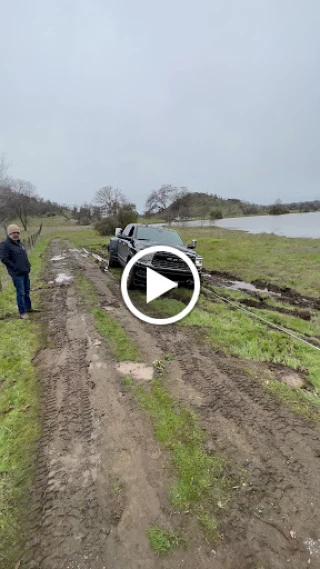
288, 294
260, 304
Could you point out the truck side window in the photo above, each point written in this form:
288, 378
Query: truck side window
131, 231
126, 231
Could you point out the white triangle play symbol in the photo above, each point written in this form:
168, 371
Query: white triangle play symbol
157, 285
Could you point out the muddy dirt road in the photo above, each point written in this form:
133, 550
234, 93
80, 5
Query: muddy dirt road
102, 480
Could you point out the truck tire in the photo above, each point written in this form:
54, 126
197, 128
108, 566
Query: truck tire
130, 282
112, 262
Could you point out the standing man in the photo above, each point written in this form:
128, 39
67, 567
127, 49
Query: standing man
15, 258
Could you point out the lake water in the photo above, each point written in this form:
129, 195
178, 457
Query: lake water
291, 225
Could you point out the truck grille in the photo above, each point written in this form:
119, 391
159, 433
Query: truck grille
169, 262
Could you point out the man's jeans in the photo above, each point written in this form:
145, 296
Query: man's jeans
22, 284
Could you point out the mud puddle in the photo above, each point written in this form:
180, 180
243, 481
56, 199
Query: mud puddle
261, 289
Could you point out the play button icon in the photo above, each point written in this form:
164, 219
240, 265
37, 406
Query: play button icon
157, 284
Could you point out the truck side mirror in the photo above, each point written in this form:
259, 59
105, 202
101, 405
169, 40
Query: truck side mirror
118, 231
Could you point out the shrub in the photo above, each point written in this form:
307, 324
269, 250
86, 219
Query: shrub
84, 221
124, 216
107, 225
216, 214
278, 209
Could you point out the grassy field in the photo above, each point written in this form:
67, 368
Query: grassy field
19, 423
279, 260
282, 261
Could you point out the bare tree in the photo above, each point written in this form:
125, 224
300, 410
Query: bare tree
160, 200
21, 200
109, 199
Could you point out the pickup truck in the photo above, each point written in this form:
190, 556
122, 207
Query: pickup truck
136, 237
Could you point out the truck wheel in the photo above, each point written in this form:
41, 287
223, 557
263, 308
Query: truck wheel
112, 262
130, 282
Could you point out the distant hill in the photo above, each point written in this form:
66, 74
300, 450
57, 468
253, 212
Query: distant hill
200, 204
203, 205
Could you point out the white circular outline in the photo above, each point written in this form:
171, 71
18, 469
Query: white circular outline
170, 319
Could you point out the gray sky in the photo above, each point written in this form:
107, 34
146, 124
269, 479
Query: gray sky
216, 95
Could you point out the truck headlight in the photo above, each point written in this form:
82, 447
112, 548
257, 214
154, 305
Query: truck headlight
199, 262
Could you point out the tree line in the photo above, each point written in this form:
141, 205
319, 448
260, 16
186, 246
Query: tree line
110, 208
20, 201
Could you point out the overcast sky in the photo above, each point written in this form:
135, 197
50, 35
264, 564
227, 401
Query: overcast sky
217, 95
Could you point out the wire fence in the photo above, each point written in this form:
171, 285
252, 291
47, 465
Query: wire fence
29, 242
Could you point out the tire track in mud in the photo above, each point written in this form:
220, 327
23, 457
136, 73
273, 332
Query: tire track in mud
100, 478
67, 522
278, 450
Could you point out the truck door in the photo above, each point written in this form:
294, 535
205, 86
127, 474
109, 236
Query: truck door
123, 245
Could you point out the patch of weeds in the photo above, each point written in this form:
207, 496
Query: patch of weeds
127, 381
299, 400
159, 365
163, 541
121, 345
117, 487
209, 525
200, 487
168, 357
116, 272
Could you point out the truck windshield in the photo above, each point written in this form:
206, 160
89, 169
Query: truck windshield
159, 235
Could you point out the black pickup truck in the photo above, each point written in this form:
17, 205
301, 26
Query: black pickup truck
136, 237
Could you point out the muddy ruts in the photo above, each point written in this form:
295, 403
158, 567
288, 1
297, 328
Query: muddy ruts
66, 526
276, 450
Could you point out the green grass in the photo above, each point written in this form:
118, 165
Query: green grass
127, 381
89, 239
120, 343
209, 525
163, 541
19, 420
279, 260
150, 220
298, 400
200, 487
239, 334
